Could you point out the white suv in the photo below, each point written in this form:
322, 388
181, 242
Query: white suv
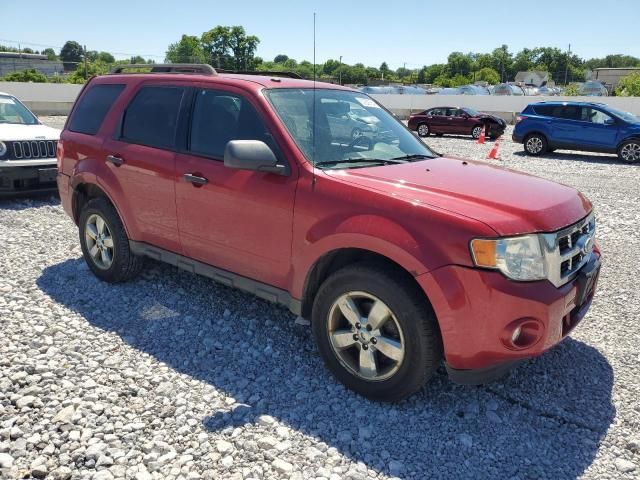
27, 150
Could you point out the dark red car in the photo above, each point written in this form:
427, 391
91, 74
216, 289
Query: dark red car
456, 120
399, 257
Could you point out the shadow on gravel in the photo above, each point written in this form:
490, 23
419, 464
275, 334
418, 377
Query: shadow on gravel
545, 420
573, 156
24, 202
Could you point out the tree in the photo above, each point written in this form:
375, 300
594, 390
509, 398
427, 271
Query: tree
434, 71
215, 44
137, 59
230, 47
243, 47
71, 54
94, 68
91, 55
106, 57
187, 50
50, 53
459, 64
280, 58
488, 75
629, 86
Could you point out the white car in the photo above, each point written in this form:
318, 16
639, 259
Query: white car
27, 150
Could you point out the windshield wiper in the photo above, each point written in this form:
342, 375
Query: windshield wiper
361, 160
414, 156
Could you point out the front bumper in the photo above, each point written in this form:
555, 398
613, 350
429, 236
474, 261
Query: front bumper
477, 311
16, 180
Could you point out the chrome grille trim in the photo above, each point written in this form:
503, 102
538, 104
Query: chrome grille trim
568, 250
33, 149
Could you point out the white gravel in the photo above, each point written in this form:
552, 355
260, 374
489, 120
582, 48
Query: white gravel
174, 376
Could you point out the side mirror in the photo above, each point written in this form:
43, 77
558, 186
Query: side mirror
609, 121
252, 155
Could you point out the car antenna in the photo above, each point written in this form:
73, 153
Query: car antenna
313, 143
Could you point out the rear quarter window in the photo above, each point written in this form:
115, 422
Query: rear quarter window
93, 107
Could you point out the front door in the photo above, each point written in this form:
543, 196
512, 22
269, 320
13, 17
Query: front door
239, 220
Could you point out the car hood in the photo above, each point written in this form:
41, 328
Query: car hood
492, 117
19, 131
509, 202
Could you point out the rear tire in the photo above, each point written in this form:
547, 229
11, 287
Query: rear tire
424, 130
629, 151
535, 144
402, 319
104, 242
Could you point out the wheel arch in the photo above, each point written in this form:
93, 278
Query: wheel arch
336, 259
84, 191
635, 136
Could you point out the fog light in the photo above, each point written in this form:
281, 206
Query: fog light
516, 335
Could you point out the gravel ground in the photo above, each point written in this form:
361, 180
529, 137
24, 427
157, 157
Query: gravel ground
174, 376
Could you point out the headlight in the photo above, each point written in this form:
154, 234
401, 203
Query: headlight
519, 258
3, 149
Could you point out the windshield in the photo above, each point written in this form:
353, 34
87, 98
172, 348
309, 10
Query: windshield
626, 116
471, 111
12, 111
350, 129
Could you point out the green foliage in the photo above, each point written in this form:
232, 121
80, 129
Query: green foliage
487, 74
229, 48
612, 61
629, 86
187, 50
94, 68
571, 90
31, 75
280, 58
71, 54
50, 53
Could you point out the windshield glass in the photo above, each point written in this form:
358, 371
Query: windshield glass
627, 116
348, 127
471, 111
12, 111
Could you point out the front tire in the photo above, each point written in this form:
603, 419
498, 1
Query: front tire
629, 151
423, 130
376, 332
105, 245
477, 131
535, 144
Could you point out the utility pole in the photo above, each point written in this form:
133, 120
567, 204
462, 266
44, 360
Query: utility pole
566, 66
340, 70
85, 62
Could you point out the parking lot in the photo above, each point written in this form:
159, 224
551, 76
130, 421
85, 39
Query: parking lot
174, 376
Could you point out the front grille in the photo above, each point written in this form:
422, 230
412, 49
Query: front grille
32, 149
569, 249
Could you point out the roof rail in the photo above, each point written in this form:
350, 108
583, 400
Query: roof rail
267, 73
193, 68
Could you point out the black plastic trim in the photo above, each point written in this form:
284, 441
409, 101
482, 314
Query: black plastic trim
481, 376
259, 289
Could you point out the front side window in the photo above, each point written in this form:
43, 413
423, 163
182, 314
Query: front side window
13, 111
219, 117
598, 116
152, 117
365, 131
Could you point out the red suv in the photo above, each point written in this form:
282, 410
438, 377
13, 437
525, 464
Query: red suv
398, 256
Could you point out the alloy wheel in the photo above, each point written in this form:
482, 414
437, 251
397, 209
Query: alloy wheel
99, 241
365, 336
630, 152
477, 131
423, 130
534, 145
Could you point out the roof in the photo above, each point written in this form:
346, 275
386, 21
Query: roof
250, 82
560, 102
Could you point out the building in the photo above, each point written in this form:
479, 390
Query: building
16, 62
534, 79
611, 76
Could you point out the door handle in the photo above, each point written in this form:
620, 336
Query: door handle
117, 161
195, 179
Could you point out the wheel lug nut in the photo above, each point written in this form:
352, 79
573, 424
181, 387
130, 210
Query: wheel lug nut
358, 325
369, 328
365, 347
355, 337
374, 341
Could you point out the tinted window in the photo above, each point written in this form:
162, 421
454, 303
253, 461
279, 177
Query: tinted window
219, 117
435, 112
93, 107
571, 112
152, 116
546, 110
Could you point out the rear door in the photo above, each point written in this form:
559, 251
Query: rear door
237, 220
141, 158
567, 126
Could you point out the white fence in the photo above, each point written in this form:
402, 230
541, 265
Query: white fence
57, 99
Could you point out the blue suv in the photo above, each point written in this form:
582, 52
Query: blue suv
592, 127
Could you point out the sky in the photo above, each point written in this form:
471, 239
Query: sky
412, 33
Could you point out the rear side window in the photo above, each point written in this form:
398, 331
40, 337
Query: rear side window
152, 117
546, 110
93, 107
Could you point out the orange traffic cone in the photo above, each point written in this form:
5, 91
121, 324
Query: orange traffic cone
493, 154
482, 135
